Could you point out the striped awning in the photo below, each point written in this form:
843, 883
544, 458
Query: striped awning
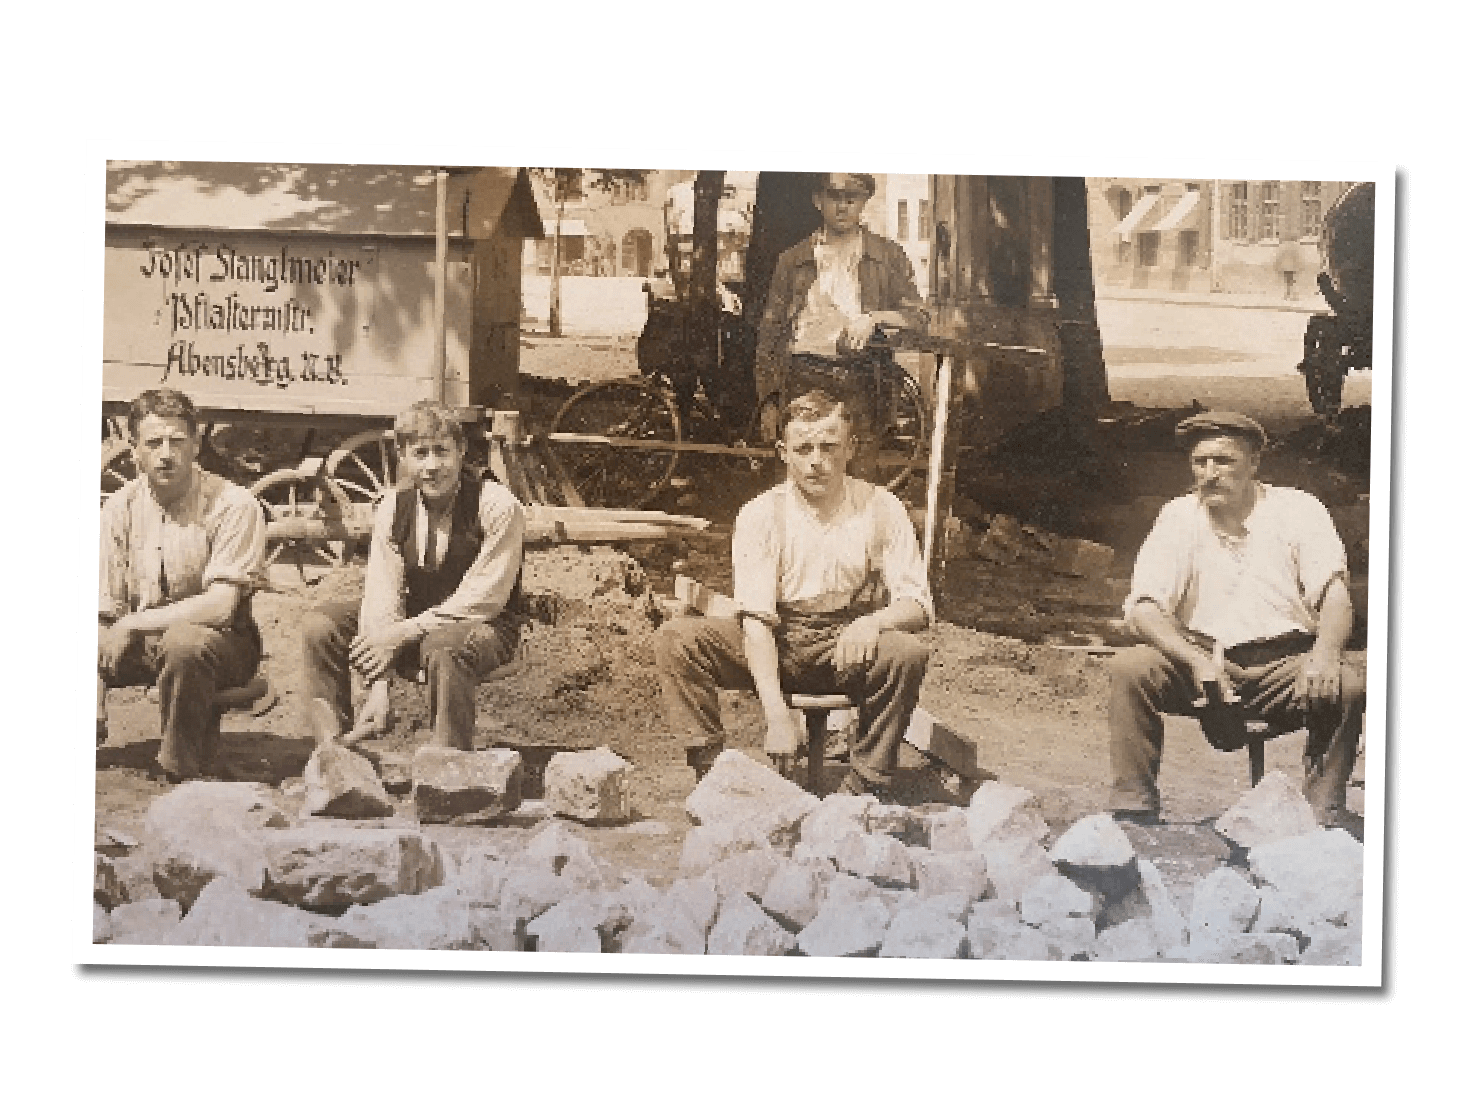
1137, 215
1178, 212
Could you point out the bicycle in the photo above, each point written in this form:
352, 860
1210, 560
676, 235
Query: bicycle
620, 441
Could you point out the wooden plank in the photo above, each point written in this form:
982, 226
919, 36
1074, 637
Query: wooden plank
623, 516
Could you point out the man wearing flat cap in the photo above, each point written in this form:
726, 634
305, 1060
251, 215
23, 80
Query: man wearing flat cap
1240, 586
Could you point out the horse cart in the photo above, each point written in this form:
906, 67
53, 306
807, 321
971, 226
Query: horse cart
317, 302
1340, 341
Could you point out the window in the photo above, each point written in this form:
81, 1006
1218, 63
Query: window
637, 252
1268, 212
923, 220
902, 220
1186, 248
1148, 248
1311, 209
1238, 212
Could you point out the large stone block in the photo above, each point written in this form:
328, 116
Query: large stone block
836, 817
341, 784
666, 929
795, 893
737, 788
1223, 901
844, 928
959, 871
1054, 898
1097, 842
696, 898
205, 829
225, 915
897, 821
571, 925
151, 921
589, 785
528, 892
462, 786
438, 919
711, 843
1331, 945
1258, 948
746, 873
880, 858
920, 932
993, 934
561, 848
1169, 925
1014, 864
948, 830
1069, 937
1320, 873
1001, 812
744, 929
952, 906
326, 866
1132, 941
1274, 810
102, 927
479, 875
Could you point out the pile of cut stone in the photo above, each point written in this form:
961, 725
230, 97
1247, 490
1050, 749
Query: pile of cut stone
768, 869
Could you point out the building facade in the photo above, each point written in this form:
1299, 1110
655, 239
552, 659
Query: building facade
1241, 236
901, 210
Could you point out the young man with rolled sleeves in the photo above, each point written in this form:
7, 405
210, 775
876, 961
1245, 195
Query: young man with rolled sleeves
440, 591
182, 552
830, 587
1242, 586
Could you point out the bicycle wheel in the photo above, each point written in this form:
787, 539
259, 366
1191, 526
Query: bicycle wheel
903, 442
621, 475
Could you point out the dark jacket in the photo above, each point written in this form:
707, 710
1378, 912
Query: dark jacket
886, 283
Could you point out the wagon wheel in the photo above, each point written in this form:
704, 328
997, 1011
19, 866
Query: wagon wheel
312, 498
617, 476
118, 467
902, 444
365, 467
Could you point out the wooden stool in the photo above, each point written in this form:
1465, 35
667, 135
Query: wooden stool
816, 710
1258, 732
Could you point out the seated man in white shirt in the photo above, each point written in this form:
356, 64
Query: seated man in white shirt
440, 593
1242, 585
830, 585
182, 552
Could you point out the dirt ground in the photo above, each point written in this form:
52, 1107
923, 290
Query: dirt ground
586, 674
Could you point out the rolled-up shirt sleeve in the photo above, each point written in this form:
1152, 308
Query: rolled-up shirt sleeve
383, 577
1161, 565
902, 564
112, 599
1321, 551
237, 544
754, 561
486, 587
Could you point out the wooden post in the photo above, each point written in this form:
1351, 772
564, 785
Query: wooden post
442, 260
941, 472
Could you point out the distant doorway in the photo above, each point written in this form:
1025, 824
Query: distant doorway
636, 253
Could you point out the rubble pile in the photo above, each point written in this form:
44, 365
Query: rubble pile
767, 869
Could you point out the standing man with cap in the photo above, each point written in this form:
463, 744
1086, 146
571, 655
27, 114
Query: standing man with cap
1242, 585
829, 292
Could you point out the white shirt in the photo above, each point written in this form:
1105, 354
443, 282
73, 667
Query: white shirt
1268, 582
796, 557
833, 300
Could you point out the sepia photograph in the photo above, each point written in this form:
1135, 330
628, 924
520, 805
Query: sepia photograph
867, 574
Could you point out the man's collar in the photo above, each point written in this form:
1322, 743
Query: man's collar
869, 243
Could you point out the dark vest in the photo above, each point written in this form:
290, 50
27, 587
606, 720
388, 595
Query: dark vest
424, 587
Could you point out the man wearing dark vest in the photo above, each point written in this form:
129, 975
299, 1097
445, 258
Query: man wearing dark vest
439, 593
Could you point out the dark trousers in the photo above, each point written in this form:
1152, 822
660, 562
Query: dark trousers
1144, 685
854, 381
453, 659
189, 663
698, 656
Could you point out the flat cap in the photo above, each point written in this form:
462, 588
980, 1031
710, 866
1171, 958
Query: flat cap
1211, 424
